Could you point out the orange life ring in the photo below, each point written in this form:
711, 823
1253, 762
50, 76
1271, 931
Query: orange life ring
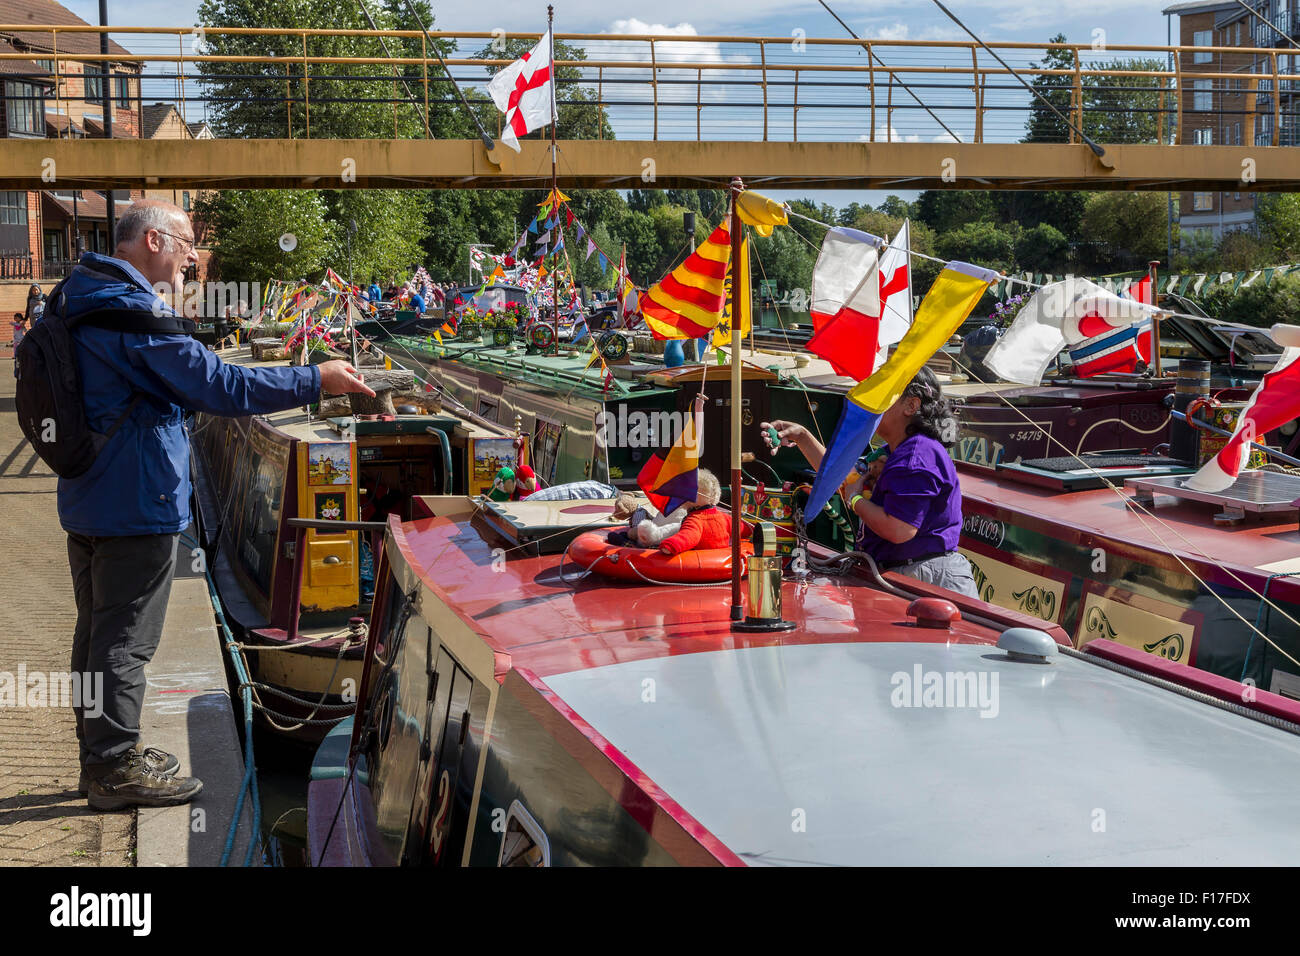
649, 565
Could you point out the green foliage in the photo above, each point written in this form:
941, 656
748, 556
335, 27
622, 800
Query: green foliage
1278, 215
249, 98
249, 224
1126, 230
985, 243
1043, 248
1125, 109
1257, 304
1241, 250
1062, 208
784, 258
893, 206
1044, 125
390, 223
944, 210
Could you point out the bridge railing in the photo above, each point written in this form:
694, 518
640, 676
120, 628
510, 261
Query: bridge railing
675, 87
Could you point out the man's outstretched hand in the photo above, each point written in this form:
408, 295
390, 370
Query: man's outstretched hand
339, 378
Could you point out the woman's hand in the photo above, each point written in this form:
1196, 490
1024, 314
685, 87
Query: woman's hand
854, 485
787, 434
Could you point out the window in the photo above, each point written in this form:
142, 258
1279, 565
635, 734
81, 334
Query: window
1202, 202
25, 107
94, 81
1202, 96
1238, 43
185, 200
122, 92
1203, 137
1236, 134
46, 66
13, 209
53, 244
1203, 38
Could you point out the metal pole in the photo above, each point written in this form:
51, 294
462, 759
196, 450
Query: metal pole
555, 191
737, 609
1155, 320
108, 118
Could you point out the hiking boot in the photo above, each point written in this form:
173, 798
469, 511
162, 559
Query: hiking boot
159, 761
130, 783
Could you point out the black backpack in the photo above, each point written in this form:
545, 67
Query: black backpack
48, 398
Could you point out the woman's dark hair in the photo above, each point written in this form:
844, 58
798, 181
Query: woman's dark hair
935, 418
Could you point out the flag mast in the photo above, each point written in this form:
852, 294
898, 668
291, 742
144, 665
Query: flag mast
737, 608
555, 189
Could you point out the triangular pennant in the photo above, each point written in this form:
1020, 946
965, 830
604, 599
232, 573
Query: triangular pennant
591, 247
568, 216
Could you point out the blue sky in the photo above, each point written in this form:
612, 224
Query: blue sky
1002, 20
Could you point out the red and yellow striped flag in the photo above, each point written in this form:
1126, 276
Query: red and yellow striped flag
688, 302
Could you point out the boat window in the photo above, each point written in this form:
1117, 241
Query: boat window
524, 843
1285, 684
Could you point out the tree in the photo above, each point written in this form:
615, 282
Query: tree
1278, 215
249, 223
850, 214
1257, 304
390, 225
1062, 208
339, 101
893, 206
1125, 109
784, 258
1241, 250
985, 243
944, 210
1043, 248
1126, 230
1044, 126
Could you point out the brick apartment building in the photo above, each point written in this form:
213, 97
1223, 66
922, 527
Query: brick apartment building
1243, 109
48, 96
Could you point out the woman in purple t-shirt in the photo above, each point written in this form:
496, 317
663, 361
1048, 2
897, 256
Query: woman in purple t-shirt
911, 518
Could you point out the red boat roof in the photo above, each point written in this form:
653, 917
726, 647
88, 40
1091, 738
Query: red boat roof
1257, 546
532, 618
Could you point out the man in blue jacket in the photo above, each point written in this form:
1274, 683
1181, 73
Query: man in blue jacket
123, 515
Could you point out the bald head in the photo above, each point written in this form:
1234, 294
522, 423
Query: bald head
157, 238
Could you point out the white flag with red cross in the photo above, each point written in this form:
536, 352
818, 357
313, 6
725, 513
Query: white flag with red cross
525, 92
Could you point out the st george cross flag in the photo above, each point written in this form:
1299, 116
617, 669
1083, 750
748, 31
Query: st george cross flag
950, 300
1073, 312
1275, 402
671, 479
525, 93
856, 344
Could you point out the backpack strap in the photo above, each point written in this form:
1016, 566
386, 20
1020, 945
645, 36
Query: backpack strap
134, 320
121, 419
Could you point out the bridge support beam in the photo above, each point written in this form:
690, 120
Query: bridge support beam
463, 164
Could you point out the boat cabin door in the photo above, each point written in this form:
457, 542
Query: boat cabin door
436, 814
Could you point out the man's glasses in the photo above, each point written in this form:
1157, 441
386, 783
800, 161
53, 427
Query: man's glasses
189, 242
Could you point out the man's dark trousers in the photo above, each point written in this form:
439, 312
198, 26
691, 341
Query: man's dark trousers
122, 585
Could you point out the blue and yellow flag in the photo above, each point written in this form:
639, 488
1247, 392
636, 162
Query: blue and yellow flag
672, 480
950, 300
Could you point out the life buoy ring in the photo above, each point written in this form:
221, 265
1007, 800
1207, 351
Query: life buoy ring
649, 565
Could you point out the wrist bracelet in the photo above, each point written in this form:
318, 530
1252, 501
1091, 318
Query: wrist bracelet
853, 503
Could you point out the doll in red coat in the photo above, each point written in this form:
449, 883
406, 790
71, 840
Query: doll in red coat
705, 526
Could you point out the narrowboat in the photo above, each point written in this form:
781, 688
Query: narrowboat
1032, 547
290, 508
517, 713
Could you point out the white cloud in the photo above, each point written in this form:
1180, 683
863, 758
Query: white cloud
895, 31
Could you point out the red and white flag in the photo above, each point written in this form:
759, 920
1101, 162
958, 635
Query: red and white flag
525, 92
846, 298
1276, 401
